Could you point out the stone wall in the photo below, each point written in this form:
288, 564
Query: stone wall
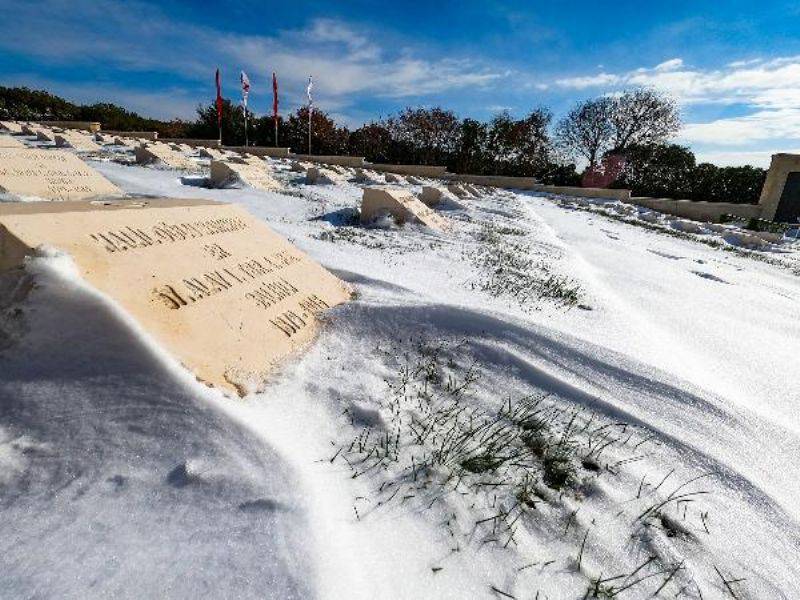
191, 142
344, 161
145, 135
260, 150
516, 183
582, 192
92, 126
698, 211
419, 170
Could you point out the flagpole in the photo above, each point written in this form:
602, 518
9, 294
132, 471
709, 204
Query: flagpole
310, 109
245, 126
276, 132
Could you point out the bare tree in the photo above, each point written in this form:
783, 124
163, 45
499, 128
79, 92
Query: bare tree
643, 116
587, 130
612, 124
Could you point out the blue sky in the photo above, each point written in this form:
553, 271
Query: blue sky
734, 66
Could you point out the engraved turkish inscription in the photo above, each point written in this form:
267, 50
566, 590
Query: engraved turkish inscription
215, 286
51, 174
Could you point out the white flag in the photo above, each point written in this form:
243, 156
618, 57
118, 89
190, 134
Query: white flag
308, 92
245, 87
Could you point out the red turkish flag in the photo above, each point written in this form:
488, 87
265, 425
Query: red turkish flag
219, 101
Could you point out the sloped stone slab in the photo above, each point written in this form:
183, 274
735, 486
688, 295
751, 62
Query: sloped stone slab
402, 205
51, 174
214, 286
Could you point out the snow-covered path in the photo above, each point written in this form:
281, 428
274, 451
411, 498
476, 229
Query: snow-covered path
120, 475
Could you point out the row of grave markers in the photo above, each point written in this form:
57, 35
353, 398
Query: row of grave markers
218, 288
222, 292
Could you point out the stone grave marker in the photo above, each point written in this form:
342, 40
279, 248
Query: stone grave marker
77, 141
246, 159
432, 195
319, 175
457, 190
51, 174
256, 176
402, 205
392, 178
211, 153
119, 141
161, 153
214, 286
11, 126
6, 141
44, 135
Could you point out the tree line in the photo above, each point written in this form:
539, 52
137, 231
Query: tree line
634, 127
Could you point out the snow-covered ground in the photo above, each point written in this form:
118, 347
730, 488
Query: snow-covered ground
664, 367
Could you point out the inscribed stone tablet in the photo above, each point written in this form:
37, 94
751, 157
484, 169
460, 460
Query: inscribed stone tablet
44, 135
51, 174
213, 285
76, 140
212, 153
6, 141
165, 155
223, 173
401, 204
318, 175
11, 126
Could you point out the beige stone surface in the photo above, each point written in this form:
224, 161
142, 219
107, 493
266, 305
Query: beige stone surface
161, 153
419, 170
432, 195
472, 190
11, 126
76, 140
699, 211
319, 175
256, 176
246, 159
211, 153
779, 169
7, 141
90, 126
214, 286
392, 178
44, 135
457, 190
51, 174
402, 205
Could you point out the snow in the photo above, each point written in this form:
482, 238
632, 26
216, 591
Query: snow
122, 476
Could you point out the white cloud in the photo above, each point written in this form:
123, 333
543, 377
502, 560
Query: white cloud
584, 82
769, 89
735, 158
669, 65
346, 62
